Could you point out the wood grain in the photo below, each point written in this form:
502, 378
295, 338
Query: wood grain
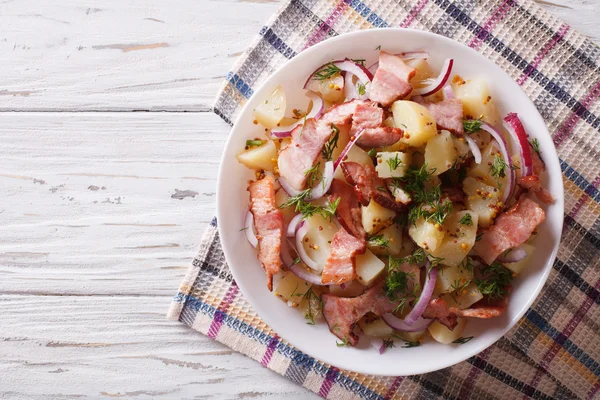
101, 212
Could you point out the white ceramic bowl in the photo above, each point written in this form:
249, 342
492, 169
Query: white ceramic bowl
232, 205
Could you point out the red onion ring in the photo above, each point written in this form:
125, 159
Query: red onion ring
316, 111
293, 226
474, 149
503, 146
423, 301
513, 125
249, 228
400, 325
302, 231
297, 269
346, 150
438, 82
346, 65
515, 255
318, 190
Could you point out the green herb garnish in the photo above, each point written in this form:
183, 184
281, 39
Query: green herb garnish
498, 167
462, 340
313, 301
472, 125
393, 163
408, 344
328, 70
362, 89
342, 343
466, 220
255, 143
495, 278
535, 145
378, 241
331, 145
372, 152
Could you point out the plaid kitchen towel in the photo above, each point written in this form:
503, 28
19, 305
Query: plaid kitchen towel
554, 351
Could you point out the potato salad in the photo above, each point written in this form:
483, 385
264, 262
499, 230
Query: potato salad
397, 204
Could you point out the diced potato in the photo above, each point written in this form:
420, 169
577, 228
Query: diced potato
357, 155
451, 278
459, 238
331, 89
376, 217
375, 327
288, 212
317, 241
351, 289
412, 336
260, 157
482, 171
310, 304
423, 72
291, 289
389, 121
426, 234
368, 268
440, 153
393, 236
482, 199
462, 148
392, 164
477, 100
444, 335
519, 266
468, 296
416, 121
270, 111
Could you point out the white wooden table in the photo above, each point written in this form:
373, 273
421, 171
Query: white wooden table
108, 160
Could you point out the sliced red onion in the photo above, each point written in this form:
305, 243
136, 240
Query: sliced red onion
346, 150
346, 65
382, 347
302, 231
293, 226
344, 285
515, 255
474, 149
317, 109
297, 268
448, 92
249, 227
512, 176
438, 82
319, 190
513, 125
423, 301
400, 325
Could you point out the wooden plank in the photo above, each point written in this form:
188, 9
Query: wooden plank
104, 203
144, 55
122, 55
98, 347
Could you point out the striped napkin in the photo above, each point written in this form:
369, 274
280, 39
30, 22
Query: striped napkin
553, 352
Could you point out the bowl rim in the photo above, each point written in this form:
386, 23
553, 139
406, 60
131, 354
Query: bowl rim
263, 314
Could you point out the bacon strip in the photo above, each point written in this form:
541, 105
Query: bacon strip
532, 183
348, 209
438, 309
391, 80
511, 229
268, 222
448, 316
342, 114
448, 114
340, 267
380, 137
368, 185
342, 313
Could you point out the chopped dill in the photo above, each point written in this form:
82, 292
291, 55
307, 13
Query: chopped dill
466, 220
498, 167
472, 125
331, 145
328, 70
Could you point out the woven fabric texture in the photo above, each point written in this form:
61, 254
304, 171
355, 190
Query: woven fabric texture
553, 352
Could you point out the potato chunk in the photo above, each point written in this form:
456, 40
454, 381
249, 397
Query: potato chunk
519, 266
476, 99
465, 296
416, 121
260, 157
482, 199
331, 89
376, 217
423, 71
374, 326
392, 164
444, 335
357, 155
317, 241
440, 153
460, 230
291, 289
482, 171
426, 234
368, 268
450, 278
270, 111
